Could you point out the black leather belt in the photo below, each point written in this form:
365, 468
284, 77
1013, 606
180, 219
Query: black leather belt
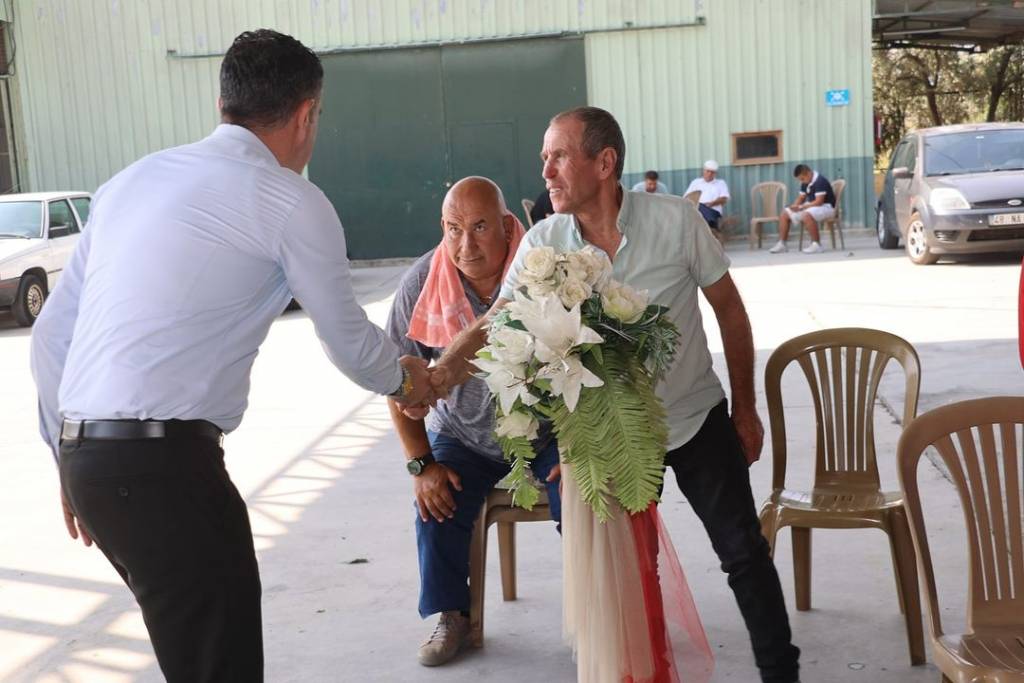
76, 430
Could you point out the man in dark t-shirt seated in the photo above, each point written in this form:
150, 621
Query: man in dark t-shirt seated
815, 203
541, 208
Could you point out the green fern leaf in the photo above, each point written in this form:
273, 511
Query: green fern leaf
615, 440
519, 451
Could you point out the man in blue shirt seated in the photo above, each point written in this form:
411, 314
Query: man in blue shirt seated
453, 456
815, 203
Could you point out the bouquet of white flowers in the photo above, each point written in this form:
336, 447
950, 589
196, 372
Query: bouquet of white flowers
579, 349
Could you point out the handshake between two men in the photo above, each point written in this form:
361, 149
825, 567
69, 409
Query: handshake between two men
423, 387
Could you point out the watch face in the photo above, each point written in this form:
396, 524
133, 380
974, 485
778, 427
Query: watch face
414, 466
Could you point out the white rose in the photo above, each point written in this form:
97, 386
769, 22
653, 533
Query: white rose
511, 346
573, 291
623, 303
517, 424
538, 290
599, 266
539, 263
578, 266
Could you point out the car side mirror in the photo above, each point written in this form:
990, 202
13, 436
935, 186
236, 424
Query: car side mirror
901, 173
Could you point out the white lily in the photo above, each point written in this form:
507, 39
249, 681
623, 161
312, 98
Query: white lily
507, 381
556, 331
568, 377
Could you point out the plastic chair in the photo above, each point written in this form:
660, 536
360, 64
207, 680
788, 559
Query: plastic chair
527, 208
843, 368
765, 205
984, 462
693, 197
497, 509
834, 224
726, 226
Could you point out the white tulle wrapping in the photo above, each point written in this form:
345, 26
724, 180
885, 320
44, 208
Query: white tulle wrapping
606, 619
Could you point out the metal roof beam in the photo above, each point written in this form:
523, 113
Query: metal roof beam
922, 13
919, 31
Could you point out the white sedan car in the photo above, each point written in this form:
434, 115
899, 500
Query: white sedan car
38, 233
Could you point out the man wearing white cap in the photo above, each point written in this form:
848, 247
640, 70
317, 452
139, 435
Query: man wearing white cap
714, 193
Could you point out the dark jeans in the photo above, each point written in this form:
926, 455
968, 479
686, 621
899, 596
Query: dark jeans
711, 470
710, 215
167, 516
444, 546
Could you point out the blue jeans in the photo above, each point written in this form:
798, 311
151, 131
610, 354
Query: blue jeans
444, 547
710, 215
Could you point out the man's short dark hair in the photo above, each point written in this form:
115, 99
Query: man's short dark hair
600, 131
800, 170
651, 175
264, 78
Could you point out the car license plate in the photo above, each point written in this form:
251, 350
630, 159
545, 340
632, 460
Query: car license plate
1006, 219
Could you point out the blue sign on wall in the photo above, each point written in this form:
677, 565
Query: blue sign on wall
837, 98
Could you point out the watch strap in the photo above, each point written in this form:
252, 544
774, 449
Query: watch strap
418, 464
405, 388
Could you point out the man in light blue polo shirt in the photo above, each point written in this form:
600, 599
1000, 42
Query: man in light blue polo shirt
660, 243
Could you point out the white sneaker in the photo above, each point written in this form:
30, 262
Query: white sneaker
813, 248
779, 248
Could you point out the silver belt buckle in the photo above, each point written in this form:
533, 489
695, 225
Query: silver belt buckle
153, 429
71, 429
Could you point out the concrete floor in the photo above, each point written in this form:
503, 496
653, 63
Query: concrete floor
332, 513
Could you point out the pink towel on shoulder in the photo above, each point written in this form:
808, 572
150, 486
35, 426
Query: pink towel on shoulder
443, 310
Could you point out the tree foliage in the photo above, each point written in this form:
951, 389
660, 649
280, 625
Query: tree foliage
917, 88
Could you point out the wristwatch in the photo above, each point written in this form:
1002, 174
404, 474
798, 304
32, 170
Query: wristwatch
417, 465
405, 388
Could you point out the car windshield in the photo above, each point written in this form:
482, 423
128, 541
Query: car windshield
21, 219
977, 151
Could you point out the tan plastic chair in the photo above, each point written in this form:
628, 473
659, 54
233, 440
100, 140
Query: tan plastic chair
692, 197
497, 509
984, 461
843, 368
527, 208
765, 205
726, 226
834, 224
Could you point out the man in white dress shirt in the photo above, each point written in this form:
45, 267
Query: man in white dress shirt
143, 353
714, 193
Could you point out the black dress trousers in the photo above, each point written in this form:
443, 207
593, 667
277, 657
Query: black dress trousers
167, 516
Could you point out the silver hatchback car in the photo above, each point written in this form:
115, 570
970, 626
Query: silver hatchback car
955, 190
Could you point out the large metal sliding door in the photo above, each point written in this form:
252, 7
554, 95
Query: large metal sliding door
399, 126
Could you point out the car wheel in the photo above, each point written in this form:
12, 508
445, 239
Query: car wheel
29, 301
917, 246
886, 240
